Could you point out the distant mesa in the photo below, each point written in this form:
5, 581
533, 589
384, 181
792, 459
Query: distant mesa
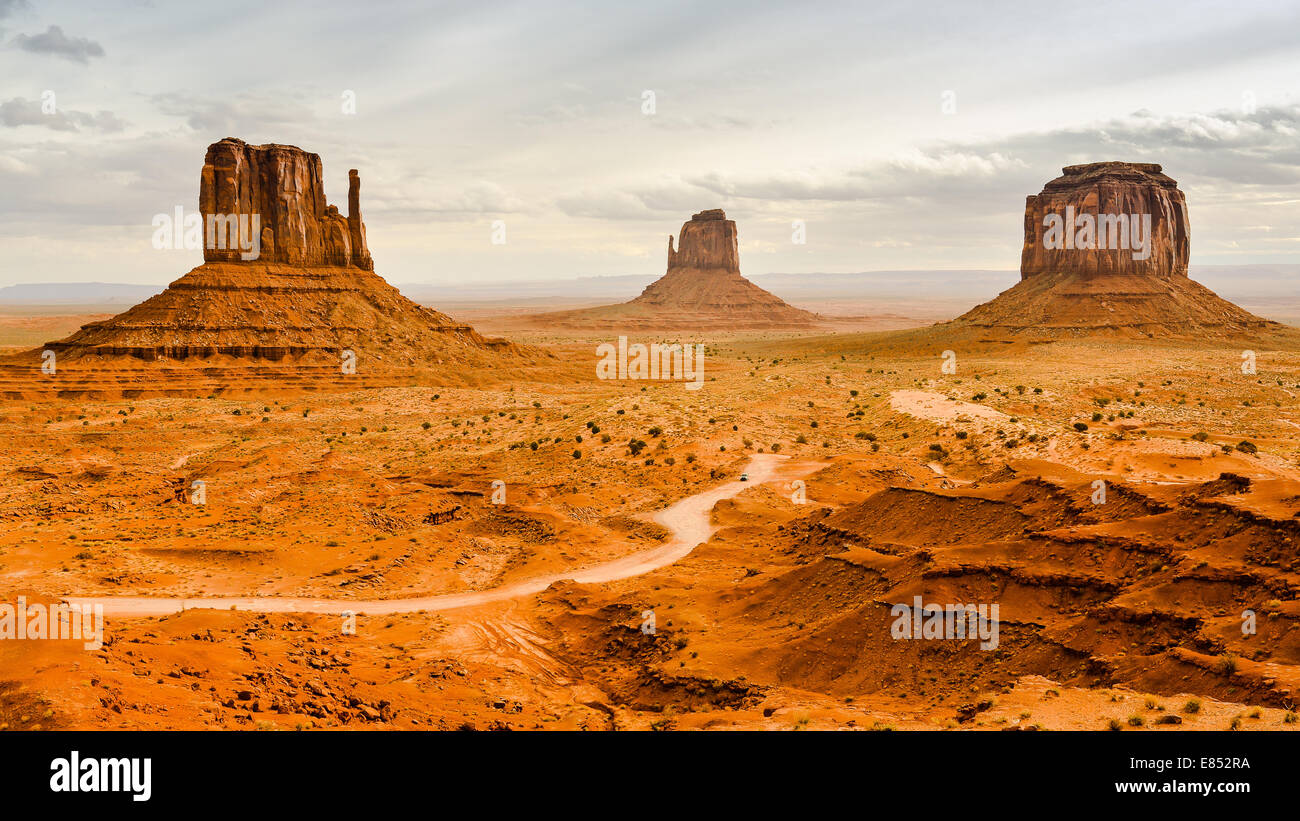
1105, 252
702, 288
309, 295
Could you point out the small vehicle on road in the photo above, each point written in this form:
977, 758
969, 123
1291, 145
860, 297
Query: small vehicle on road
744, 477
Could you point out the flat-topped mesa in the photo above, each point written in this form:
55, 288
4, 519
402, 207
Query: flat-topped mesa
1129, 220
707, 242
267, 203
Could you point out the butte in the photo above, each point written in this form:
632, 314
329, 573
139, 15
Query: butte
1073, 292
294, 315
702, 288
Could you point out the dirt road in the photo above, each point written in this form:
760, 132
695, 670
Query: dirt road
688, 520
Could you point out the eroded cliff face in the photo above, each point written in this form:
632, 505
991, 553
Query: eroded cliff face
708, 241
1114, 218
703, 281
309, 294
282, 186
1084, 287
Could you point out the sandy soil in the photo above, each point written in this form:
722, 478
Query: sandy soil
771, 598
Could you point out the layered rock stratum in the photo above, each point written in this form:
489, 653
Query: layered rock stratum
310, 296
1073, 289
283, 187
702, 287
1109, 188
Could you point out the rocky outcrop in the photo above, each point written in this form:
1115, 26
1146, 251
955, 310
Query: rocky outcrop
703, 281
702, 288
708, 242
1114, 207
1076, 290
278, 192
310, 296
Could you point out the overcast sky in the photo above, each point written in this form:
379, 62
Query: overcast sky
534, 113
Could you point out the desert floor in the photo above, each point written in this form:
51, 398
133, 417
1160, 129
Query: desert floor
891, 479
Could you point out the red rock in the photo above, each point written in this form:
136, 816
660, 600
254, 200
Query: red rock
703, 282
283, 186
708, 242
1082, 292
308, 298
1109, 188
702, 288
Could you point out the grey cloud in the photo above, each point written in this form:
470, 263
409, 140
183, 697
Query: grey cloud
8, 7
58, 44
153, 174
647, 203
1224, 147
478, 198
238, 114
20, 111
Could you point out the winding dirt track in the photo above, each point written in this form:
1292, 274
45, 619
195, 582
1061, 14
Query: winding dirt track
688, 520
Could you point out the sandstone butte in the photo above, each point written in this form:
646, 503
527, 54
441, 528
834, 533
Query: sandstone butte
702, 288
309, 296
1079, 291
